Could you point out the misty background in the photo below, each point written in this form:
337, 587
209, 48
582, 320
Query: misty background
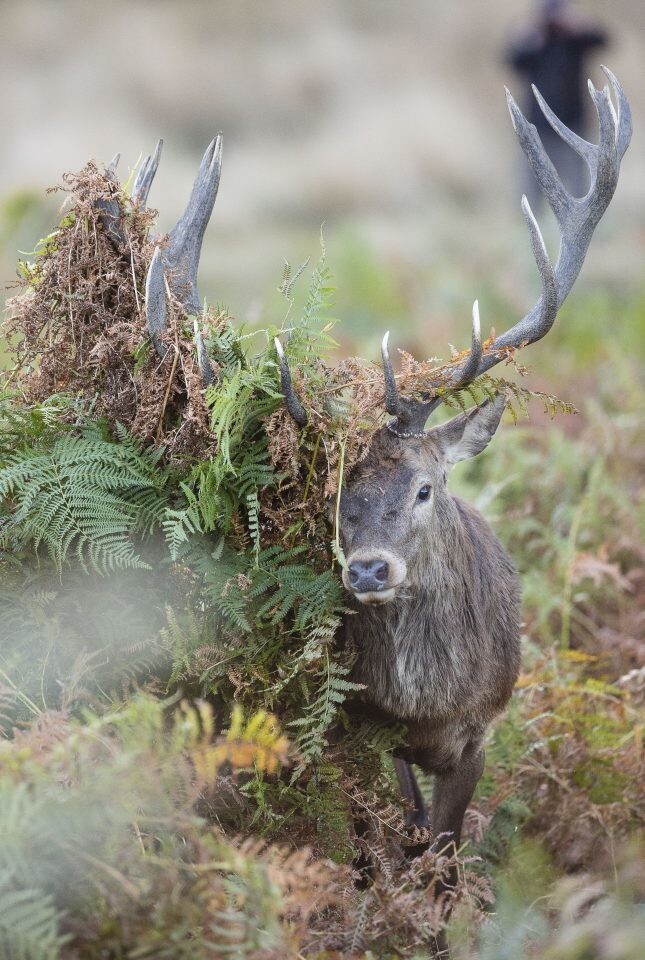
385, 121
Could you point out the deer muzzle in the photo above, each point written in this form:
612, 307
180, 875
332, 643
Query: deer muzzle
373, 577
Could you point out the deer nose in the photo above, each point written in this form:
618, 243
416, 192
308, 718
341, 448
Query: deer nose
366, 576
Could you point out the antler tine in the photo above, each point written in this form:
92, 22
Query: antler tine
608, 164
291, 399
209, 376
581, 146
546, 175
410, 414
392, 400
542, 316
155, 304
146, 175
623, 116
181, 255
469, 369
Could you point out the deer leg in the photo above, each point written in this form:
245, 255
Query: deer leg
453, 791
418, 816
439, 946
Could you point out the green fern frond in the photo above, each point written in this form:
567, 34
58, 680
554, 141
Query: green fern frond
322, 709
518, 398
85, 497
241, 399
309, 338
29, 926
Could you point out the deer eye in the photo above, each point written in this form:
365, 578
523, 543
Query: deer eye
424, 492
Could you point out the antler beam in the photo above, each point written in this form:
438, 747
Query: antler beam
110, 211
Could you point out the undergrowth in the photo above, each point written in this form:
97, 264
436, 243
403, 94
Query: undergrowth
161, 543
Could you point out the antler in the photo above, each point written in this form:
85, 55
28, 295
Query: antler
577, 218
174, 265
181, 255
291, 399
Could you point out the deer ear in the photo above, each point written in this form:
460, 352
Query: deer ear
469, 433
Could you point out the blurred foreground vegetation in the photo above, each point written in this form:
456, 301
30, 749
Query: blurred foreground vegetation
149, 804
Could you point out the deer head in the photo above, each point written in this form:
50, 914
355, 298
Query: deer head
395, 498
396, 510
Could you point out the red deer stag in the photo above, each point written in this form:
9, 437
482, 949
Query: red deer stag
436, 597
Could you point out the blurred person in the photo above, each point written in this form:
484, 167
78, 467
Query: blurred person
551, 53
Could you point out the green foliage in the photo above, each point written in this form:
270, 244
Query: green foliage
91, 635
31, 427
85, 495
29, 926
518, 398
250, 609
577, 528
503, 831
540, 915
117, 862
322, 709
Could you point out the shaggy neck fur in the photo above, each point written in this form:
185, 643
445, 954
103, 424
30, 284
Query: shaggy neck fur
431, 649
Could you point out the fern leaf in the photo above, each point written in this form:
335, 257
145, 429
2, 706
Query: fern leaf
84, 496
29, 926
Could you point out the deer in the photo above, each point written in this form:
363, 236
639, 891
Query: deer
435, 598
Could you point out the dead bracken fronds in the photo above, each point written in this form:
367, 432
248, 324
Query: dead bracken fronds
345, 407
160, 875
78, 326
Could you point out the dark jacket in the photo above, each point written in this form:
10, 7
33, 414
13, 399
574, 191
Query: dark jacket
553, 59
